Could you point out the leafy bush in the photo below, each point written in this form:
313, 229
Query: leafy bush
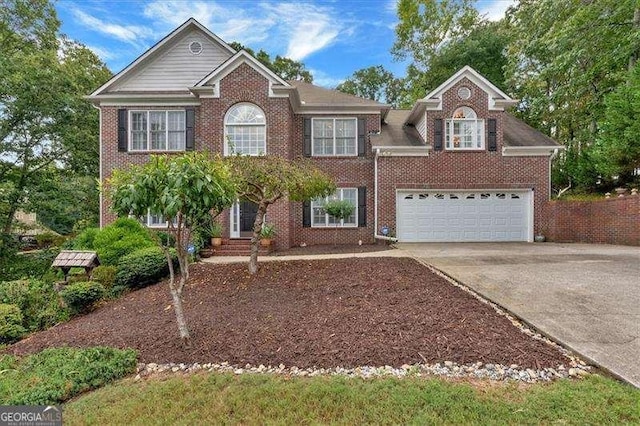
105, 275
11, 328
143, 267
84, 241
81, 296
29, 265
55, 375
37, 300
119, 239
49, 239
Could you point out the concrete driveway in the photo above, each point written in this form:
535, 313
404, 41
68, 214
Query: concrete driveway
585, 296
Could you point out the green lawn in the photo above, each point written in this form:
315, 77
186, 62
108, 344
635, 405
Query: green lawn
255, 399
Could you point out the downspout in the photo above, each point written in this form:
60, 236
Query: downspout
99, 161
375, 201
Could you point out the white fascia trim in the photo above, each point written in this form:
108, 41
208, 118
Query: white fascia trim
335, 110
234, 62
402, 151
99, 162
474, 76
529, 151
148, 103
157, 46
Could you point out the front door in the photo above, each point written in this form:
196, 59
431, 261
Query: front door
243, 215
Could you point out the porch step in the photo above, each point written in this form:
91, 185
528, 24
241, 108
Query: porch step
238, 248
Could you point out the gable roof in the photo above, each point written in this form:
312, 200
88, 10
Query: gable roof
433, 100
241, 57
133, 66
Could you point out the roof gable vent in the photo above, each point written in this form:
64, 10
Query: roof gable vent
195, 47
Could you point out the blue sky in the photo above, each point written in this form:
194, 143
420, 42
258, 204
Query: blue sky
332, 38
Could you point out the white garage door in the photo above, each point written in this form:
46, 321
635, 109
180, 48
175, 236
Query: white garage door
464, 216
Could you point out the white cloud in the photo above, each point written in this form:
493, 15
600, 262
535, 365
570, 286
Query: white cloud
102, 53
229, 22
308, 28
321, 78
495, 10
133, 34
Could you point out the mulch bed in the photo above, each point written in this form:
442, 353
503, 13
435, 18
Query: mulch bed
322, 313
332, 249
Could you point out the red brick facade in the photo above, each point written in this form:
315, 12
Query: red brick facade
470, 169
440, 170
612, 221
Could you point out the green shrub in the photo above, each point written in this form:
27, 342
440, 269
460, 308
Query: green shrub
84, 241
56, 375
143, 267
49, 239
105, 275
11, 328
30, 265
37, 300
81, 296
119, 239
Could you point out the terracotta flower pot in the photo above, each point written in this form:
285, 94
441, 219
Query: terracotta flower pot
265, 242
217, 241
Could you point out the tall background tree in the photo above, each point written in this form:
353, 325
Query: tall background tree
45, 124
286, 68
375, 83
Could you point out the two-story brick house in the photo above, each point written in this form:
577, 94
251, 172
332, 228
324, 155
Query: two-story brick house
456, 167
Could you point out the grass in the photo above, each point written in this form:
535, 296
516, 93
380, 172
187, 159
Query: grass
255, 399
55, 375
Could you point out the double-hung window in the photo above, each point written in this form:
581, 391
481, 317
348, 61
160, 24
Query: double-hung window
320, 218
464, 130
334, 136
157, 130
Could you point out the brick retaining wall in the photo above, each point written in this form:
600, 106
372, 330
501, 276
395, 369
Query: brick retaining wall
608, 221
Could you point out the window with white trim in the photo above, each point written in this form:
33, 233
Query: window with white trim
320, 218
156, 221
334, 136
464, 130
157, 130
245, 129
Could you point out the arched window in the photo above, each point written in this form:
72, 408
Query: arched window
464, 130
245, 130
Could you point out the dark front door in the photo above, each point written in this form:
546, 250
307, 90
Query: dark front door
248, 211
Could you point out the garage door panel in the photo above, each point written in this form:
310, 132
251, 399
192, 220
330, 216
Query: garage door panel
463, 216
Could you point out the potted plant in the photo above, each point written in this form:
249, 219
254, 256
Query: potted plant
266, 235
215, 232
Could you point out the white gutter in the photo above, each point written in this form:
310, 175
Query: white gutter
100, 160
375, 202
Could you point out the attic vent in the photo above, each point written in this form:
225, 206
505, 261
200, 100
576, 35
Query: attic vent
464, 92
195, 47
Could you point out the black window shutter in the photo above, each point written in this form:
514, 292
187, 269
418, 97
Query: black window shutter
362, 137
306, 148
437, 134
190, 129
122, 130
362, 207
306, 214
492, 139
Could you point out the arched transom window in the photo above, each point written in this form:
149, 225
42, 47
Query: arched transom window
464, 130
245, 130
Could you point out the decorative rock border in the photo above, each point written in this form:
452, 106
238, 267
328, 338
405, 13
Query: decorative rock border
447, 369
576, 367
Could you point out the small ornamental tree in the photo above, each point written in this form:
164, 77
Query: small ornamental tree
339, 210
182, 189
266, 179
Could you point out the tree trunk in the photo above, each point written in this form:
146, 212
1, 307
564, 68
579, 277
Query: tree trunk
636, 26
255, 238
182, 323
176, 295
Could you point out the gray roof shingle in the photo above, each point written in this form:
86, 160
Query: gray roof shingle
315, 95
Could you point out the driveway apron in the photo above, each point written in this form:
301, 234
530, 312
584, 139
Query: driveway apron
584, 296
